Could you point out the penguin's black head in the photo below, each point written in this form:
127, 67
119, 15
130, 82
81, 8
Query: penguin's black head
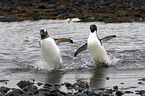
93, 28
43, 33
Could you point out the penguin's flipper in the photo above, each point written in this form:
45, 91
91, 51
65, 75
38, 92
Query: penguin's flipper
105, 39
82, 48
63, 40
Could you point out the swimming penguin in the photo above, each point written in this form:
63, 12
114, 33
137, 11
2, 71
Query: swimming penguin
95, 47
50, 50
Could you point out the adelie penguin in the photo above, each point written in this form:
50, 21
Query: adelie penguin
95, 47
50, 51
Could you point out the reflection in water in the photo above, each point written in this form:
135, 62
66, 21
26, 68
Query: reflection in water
54, 77
95, 77
98, 78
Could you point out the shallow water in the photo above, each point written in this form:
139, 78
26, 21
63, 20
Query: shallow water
20, 54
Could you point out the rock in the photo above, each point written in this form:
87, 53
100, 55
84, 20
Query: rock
115, 87
3, 80
39, 83
119, 93
128, 92
82, 94
23, 3
137, 14
48, 85
67, 84
18, 91
13, 94
121, 14
109, 91
107, 78
63, 16
23, 84
87, 92
141, 92
46, 6
20, 11
57, 86
86, 17
4, 89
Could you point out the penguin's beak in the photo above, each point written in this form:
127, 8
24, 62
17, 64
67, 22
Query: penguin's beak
41, 33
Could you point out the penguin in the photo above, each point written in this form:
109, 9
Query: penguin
95, 47
50, 50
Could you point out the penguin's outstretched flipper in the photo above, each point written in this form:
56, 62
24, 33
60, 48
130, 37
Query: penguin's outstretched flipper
82, 48
63, 40
105, 39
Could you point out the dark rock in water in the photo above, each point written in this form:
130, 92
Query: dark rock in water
107, 78
115, 87
27, 88
75, 84
87, 92
82, 94
109, 91
54, 93
18, 91
105, 94
30, 88
57, 86
128, 92
80, 89
23, 84
67, 84
76, 93
46, 89
13, 94
4, 80
142, 79
63, 93
119, 93
4, 89
47, 85
93, 94
39, 83
55, 90
34, 87
141, 92
140, 83
100, 88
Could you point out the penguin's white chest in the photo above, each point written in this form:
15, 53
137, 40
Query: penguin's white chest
51, 53
96, 50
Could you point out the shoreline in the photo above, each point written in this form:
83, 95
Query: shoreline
113, 11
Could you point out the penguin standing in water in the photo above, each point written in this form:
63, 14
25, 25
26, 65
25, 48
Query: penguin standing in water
95, 47
50, 50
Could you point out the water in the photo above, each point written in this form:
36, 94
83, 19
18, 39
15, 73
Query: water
20, 54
